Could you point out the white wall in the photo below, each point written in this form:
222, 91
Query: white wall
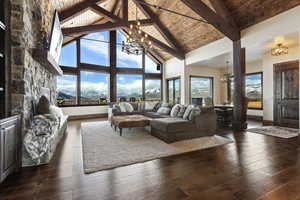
84, 110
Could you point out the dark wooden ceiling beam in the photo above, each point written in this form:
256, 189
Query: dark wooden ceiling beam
222, 10
102, 27
214, 19
101, 11
125, 10
167, 35
77, 9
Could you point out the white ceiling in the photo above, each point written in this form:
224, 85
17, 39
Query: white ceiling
254, 53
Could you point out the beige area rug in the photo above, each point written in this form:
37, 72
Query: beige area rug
103, 148
276, 131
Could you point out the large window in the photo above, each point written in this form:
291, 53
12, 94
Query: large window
125, 60
254, 91
153, 89
173, 90
129, 87
94, 88
68, 56
94, 49
200, 88
151, 65
93, 80
66, 88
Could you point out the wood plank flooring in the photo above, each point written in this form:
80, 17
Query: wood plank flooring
254, 167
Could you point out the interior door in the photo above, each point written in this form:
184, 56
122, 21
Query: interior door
286, 94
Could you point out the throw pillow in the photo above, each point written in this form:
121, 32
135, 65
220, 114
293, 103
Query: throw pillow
165, 105
117, 108
156, 107
181, 111
149, 105
175, 110
43, 106
164, 111
129, 107
187, 112
122, 107
56, 111
193, 114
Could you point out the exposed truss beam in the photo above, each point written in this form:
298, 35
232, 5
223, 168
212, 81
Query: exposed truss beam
75, 10
159, 25
101, 11
214, 19
108, 26
221, 10
125, 10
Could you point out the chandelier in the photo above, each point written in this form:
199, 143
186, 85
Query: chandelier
226, 76
280, 49
136, 40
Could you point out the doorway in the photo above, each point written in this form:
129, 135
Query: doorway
286, 94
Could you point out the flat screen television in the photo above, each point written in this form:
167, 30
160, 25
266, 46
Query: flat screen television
56, 39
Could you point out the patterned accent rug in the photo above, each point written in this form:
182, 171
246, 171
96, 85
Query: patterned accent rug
103, 148
282, 132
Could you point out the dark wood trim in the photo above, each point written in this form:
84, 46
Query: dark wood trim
212, 18
255, 117
90, 116
190, 85
268, 123
173, 79
77, 9
92, 67
130, 70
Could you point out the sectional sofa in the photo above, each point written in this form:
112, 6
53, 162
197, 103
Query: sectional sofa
171, 123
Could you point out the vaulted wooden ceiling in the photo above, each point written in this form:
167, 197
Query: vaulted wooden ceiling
174, 34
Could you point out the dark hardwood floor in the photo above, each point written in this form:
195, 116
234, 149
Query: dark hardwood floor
253, 167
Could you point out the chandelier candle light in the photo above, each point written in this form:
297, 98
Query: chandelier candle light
136, 40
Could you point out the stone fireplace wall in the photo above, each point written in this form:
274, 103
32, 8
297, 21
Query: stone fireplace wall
30, 22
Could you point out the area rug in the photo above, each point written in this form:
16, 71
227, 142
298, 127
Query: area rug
103, 148
276, 131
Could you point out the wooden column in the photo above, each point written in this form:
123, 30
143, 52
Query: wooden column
113, 65
239, 69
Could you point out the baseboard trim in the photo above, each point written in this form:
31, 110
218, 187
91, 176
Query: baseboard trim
256, 118
91, 116
268, 123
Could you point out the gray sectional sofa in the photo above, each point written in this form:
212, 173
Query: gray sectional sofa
173, 123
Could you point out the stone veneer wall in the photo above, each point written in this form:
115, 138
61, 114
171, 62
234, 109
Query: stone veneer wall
30, 21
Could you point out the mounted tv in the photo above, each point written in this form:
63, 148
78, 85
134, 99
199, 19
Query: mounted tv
56, 40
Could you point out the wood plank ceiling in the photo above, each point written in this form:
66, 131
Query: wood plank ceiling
185, 33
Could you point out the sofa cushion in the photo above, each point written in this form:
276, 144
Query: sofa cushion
155, 115
156, 107
171, 125
149, 105
187, 112
175, 110
164, 111
181, 111
126, 107
43, 106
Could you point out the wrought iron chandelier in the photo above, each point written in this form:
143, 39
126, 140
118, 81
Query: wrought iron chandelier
136, 40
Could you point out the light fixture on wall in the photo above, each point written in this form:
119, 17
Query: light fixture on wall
279, 50
225, 77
